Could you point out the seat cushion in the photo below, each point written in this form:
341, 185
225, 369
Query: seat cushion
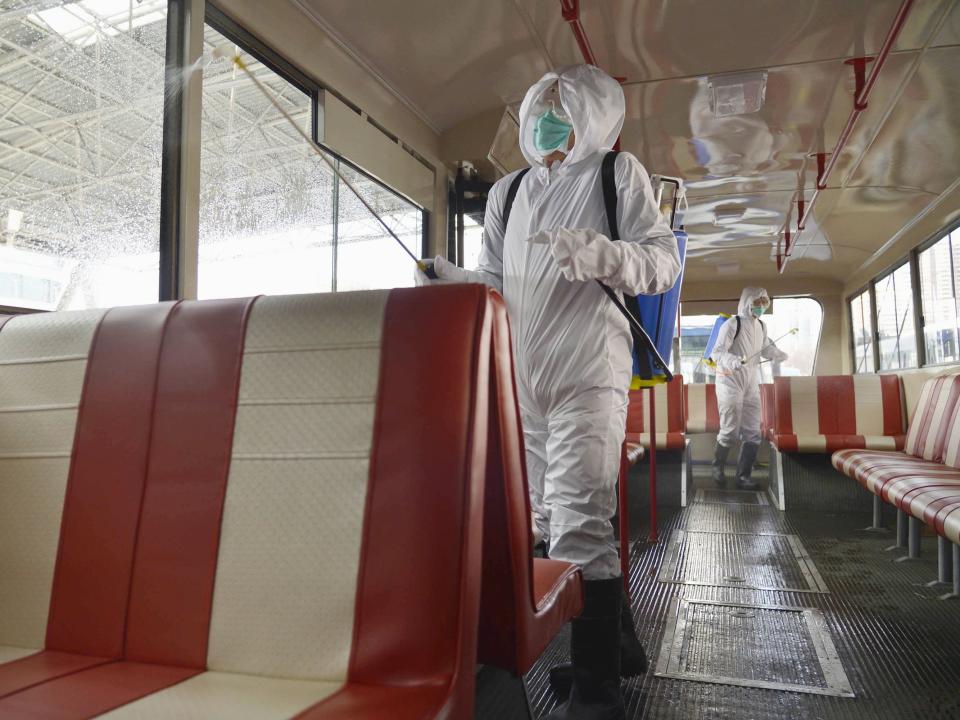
832, 443
665, 441
926, 490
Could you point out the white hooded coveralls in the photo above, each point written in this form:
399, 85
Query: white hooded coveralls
738, 384
573, 349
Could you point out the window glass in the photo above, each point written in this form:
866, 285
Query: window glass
81, 120
274, 218
786, 314
367, 256
694, 332
861, 314
938, 281
266, 199
472, 242
898, 342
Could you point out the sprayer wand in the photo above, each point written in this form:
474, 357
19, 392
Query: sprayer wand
220, 52
770, 344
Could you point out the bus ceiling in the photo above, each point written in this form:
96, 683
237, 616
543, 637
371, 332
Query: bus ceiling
842, 116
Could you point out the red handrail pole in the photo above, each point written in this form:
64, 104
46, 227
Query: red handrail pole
623, 497
570, 9
860, 97
653, 466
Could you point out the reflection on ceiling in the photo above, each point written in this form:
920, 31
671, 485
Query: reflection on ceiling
745, 170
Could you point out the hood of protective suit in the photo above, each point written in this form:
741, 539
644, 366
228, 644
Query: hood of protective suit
747, 298
591, 99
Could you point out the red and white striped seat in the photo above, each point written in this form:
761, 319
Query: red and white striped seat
671, 433
702, 411
924, 480
244, 508
833, 412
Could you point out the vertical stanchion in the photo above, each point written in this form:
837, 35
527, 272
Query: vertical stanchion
624, 503
653, 465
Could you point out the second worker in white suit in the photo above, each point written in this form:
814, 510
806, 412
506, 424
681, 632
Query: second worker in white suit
740, 346
573, 349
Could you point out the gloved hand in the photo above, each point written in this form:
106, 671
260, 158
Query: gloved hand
446, 272
581, 254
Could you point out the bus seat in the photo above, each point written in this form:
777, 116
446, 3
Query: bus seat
671, 433
524, 601
702, 411
768, 408
923, 480
298, 521
833, 412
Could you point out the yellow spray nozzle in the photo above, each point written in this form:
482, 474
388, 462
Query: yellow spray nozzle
238, 61
422, 265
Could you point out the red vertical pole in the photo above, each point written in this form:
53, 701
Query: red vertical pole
623, 498
653, 465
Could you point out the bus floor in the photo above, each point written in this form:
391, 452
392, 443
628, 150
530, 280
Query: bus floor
749, 613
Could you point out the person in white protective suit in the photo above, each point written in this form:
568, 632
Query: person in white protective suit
573, 349
741, 344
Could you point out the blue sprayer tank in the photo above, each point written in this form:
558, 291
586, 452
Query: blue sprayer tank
658, 315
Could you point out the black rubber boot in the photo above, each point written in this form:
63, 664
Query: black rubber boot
720, 453
633, 659
748, 456
595, 651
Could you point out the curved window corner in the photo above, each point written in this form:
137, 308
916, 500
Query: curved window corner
803, 313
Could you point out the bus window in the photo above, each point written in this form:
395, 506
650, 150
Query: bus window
266, 204
274, 219
898, 340
472, 242
861, 324
804, 314
938, 283
84, 87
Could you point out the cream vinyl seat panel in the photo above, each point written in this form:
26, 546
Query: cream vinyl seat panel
282, 621
43, 360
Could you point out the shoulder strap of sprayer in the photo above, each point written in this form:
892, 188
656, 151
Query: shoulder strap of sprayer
511, 196
737, 333
608, 183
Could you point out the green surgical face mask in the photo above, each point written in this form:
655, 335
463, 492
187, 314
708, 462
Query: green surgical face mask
551, 133
758, 311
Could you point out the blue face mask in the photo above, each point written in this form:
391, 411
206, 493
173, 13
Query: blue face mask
551, 133
758, 311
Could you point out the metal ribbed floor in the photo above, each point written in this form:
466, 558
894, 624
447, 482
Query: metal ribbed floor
898, 645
